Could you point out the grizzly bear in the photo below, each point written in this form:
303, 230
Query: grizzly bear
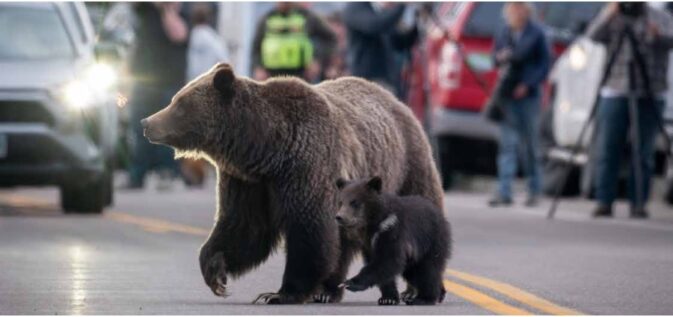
278, 146
403, 235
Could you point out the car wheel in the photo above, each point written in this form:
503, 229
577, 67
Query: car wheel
669, 191
441, 150
84, 198
108, 180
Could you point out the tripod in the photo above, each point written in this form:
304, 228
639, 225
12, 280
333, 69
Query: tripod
636, 60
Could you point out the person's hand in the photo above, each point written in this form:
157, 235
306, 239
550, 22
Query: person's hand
520, 91
611, 9
169, 7
260, 74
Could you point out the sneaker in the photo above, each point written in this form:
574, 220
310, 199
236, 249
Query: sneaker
639, 213
602, 211
531, 201
499, 201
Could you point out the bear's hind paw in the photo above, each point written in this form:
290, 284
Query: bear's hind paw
267, 298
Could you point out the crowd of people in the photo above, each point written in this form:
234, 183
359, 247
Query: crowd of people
290, 39
369, 40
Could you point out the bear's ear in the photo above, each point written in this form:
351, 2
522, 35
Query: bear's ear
224, 78
341, 183
375, 183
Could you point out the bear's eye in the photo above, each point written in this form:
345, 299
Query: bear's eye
354, 204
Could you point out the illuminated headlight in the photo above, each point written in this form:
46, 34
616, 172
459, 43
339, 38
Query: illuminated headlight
103, 75
578, 58
96, 83
78, 95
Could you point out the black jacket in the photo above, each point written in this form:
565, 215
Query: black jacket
373, 39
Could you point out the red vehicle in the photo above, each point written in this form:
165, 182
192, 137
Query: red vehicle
465, 141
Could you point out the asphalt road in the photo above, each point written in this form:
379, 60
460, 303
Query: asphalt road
140, 257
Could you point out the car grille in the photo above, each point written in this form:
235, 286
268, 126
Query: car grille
15, 111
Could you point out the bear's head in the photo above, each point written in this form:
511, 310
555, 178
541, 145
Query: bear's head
355, 198
207, 112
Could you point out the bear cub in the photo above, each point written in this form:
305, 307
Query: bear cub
400, 235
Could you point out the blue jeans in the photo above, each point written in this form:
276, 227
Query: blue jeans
613, 126
519, 132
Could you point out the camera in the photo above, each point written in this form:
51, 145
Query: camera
632, 9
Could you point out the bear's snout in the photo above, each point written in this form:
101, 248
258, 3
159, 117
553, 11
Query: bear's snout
144, 123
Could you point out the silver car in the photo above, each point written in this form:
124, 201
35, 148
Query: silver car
576, 77
58, 117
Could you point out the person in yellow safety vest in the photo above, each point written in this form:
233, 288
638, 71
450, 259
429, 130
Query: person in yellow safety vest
292, 40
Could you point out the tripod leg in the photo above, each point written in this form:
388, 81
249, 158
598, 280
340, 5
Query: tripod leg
636, 161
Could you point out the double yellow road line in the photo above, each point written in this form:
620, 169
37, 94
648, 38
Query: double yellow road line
456, 282
508, 300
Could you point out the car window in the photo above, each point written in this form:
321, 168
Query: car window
565, 18
33, 33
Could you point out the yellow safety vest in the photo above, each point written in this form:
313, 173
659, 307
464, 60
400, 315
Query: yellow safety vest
286, 44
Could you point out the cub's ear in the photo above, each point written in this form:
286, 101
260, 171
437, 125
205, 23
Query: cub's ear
341, 183
224, 80
375, 183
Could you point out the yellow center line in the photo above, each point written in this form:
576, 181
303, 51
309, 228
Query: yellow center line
155, 225
465, 292
482, 300
515, 293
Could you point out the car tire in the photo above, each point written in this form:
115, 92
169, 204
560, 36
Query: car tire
669, 191
441, 151
86, 198
108, 179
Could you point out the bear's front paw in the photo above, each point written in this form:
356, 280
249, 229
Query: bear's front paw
353, 286
389, 301
214, 273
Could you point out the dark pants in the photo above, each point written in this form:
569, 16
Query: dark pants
613, 126
146, 100
519, 134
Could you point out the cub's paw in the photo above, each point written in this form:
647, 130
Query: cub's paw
353, 286
214, 273
408, 295
417, 302
278, 299
389, 301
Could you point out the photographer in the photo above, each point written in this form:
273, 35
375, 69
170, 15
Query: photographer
522, 47
652, 29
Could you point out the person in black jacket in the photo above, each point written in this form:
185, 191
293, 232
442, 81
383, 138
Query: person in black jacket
374, 42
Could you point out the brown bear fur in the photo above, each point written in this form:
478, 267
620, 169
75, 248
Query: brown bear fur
278, 146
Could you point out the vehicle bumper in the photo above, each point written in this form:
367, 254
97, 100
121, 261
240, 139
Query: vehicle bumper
464, 124
38, 155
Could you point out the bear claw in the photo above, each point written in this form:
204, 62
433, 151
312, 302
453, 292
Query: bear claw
268, 298
388, 301
322, 298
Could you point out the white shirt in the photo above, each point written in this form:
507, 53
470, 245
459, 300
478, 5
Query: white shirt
205, 49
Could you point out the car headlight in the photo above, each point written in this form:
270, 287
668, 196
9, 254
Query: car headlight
78, 95
103, 75
578, 58
94, 85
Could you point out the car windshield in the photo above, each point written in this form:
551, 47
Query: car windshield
28, 33
562, 18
